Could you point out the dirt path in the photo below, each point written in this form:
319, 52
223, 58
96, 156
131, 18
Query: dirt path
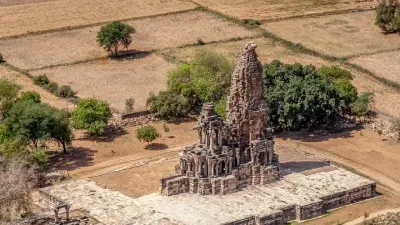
361, 219
379, 177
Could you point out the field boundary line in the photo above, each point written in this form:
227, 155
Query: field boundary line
139, 54
370, 53
77, 27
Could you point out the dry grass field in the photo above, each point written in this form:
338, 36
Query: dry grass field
267, 51
383, 64
274, 10
151, 33
339, 35
53, 15
27, 85
114, 81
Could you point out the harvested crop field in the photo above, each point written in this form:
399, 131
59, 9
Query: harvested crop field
53, 15
27, 85
151, 33
274, 10
339, 35
114, 81
267, 51
383, 64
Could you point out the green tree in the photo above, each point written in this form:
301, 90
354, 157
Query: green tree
147, 133
168, 104
91, 115
111, 36
8, 95
30, 96
206, 78
37, 122
299, 97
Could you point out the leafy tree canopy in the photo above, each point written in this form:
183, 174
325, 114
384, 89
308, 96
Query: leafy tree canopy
302, 96
111, 36
30, 96
8, 95
91, 115
168, 105
147, 133
388, 15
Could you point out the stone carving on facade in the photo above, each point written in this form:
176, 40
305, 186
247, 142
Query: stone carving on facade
234, 153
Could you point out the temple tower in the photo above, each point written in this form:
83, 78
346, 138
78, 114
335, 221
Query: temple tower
247, 107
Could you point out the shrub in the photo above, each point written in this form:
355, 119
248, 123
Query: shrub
8, 95
52, 87
91, 115
249, 23
361, 106
147, 133
388, 15
168, 104
165, 127
40, 157
220, 107
200, 42
41, 80
30, 96
334, 72
1, 58
129, 103
66, 91
111, 36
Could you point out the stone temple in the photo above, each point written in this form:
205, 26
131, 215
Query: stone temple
235, 153
231, 177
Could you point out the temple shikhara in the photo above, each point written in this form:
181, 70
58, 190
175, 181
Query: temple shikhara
234, 153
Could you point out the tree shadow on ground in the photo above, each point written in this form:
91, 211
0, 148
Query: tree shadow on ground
74, 158
156, 146
316, 135
301, 166
182, 120
130, 54
108, 136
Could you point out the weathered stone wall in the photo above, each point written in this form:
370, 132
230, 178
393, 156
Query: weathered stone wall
174, 185
310, 211
289, 213
387, 125
49, 201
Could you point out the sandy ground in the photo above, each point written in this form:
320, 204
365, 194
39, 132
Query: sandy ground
384, 64
151, 33
20, 2
338, 35
27, 85
115, 81
53, 15
88, 156
273, 10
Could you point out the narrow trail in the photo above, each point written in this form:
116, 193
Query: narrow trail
361, 219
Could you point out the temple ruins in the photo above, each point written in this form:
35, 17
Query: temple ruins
234, 153
231, 177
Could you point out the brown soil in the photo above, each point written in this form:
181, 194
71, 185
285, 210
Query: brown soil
27, 85
384, 64
53, 15
20, 2
114, 81
151, 33
339, 35
89, 156
273, 10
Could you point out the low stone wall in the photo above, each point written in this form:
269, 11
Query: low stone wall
385, 124
137, 119
174, 185
289, 213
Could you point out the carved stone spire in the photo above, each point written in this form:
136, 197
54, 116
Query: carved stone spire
247, 107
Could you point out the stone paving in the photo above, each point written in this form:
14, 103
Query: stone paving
111, 207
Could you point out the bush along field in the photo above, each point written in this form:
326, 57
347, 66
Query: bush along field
299, 96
